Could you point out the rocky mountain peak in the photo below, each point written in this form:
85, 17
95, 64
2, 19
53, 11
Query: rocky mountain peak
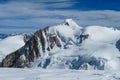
68, 46
42, 42
70, 22
35, 47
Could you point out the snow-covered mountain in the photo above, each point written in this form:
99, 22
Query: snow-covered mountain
11, 44
67, 46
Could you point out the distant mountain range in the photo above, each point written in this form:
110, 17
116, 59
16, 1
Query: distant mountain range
2, 36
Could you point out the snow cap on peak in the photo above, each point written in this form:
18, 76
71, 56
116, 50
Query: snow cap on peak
70, 22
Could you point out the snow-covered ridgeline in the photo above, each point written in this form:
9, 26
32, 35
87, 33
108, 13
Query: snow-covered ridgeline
10, 44
92, 47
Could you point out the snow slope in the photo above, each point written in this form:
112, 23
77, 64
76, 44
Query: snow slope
10, 44
56, 74
67, 32
98, 51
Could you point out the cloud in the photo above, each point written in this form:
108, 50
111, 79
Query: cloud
40, 0
31, 16
43, 4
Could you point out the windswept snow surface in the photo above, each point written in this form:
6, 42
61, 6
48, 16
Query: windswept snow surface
10, 44
56, 74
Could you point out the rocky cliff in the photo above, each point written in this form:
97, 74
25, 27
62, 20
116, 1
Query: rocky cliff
41, 42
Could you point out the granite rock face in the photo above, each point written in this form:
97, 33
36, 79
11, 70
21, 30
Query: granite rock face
41, 42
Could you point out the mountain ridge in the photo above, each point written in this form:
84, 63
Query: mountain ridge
69, 46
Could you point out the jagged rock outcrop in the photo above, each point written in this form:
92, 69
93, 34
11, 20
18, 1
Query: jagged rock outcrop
118, 45
83, 37
84, 66
41, 42
12, 58
25, 38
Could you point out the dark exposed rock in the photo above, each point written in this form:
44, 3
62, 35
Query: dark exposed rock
83, 37
41, 41
84, 66
8, 61
25, 38
20, 62
54, 40
11, 58
118, 45
66, 23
